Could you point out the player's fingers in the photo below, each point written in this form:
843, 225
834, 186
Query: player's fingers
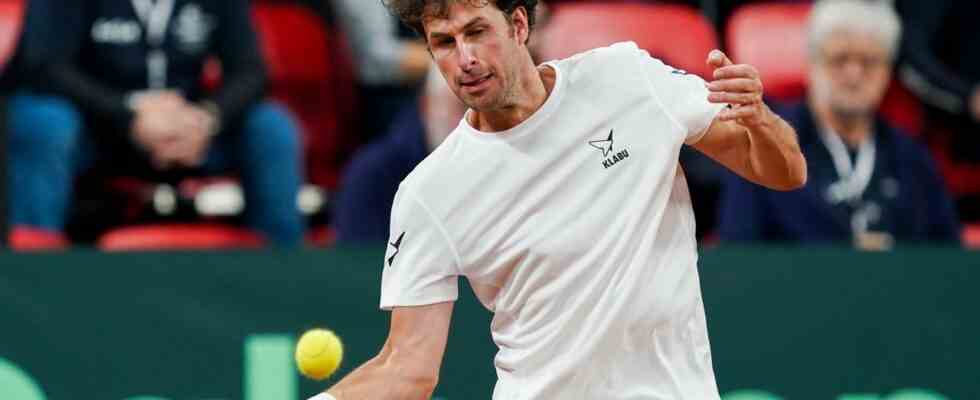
735, 113
734, 98
726, 115
718, 59
741, 85
736, 71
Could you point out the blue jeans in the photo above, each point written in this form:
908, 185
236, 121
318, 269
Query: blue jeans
48, 148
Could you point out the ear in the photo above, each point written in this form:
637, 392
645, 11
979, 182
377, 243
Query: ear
522, 29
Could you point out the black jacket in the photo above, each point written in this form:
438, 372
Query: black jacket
941, 51
109, 53
913, 203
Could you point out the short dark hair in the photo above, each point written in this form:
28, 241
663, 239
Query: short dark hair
411, 12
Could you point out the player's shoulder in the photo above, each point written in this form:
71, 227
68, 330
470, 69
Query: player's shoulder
438, 170
619, 57
616, 56
602, 68
614, 51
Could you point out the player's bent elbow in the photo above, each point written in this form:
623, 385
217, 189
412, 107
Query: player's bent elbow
424, 386
410, 375
420, 378
800, 177
413, 384
798, 173
796, 176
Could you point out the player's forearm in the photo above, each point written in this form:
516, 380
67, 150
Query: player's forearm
385, 378
774, 154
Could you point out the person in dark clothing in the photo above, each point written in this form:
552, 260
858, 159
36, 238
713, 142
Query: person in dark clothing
941, 57
128, 89
868, 182
363, 209
371, 180
905, 197
390, 62
941, 65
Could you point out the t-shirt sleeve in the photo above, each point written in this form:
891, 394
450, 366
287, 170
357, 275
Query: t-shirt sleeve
420, 265
682, 95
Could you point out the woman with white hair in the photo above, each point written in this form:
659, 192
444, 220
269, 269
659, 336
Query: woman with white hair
869, 183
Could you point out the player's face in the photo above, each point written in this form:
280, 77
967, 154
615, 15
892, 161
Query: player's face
476, 50
850, 73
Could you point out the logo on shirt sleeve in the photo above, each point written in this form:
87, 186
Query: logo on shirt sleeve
606, 146
397, 244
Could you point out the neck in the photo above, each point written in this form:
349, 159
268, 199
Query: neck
530, 93
853, 129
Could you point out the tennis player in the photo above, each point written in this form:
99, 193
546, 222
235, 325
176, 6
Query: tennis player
560, 198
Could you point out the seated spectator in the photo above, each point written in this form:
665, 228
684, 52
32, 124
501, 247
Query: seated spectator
128, 94
390, 61
383, 57
368, 188
868, 182
942, 66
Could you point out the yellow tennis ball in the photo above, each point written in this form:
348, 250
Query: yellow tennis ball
318, 353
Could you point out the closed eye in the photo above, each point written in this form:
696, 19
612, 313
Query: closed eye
444, 42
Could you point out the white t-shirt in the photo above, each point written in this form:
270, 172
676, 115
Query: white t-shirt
575, 228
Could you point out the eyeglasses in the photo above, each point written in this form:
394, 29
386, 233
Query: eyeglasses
866, 61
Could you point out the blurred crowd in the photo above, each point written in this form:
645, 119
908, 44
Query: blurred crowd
192, 123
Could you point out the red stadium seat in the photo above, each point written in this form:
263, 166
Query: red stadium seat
677, 34
178, 237
971, 237
903, 109
23, 238
321, 236
772, 37
961, 178
11, 24
311, 73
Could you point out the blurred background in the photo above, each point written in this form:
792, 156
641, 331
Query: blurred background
289, 123
283, 127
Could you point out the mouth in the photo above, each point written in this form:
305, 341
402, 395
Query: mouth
477, 83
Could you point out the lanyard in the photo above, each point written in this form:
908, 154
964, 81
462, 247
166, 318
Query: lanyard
853, 178
155, 16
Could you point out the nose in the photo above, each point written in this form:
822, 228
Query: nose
853, 70
467, 56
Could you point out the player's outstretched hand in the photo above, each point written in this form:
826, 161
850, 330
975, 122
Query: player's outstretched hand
737, 85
